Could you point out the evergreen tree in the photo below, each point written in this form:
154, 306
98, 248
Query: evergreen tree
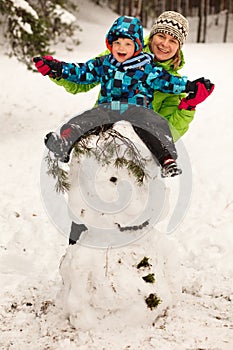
31, 26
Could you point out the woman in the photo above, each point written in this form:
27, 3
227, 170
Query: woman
165, 41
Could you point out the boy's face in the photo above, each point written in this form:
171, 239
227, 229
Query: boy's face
123, 49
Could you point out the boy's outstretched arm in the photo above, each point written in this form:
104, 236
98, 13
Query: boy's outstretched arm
160, 79
75, 88
83, 73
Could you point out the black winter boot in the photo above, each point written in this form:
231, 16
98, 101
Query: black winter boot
62, 145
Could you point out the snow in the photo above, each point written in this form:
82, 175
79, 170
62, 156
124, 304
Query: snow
65, 16
25, 26
25, 6
195, 257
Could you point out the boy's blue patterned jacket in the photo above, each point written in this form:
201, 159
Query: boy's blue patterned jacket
133, 81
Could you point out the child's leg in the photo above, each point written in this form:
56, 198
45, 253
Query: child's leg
165, 157
61, 145
153, 143
154, 131
92, 121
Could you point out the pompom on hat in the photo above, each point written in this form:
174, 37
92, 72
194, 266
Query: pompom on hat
172, 23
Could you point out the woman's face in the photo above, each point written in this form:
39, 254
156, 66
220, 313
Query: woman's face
164, 46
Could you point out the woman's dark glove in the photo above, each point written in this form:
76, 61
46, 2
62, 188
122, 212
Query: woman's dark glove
47, 65
198, 90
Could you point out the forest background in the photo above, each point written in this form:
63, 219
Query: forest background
32, 27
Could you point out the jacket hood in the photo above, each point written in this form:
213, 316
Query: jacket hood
127, 27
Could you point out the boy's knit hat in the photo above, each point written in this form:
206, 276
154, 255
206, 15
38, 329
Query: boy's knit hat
172, 23
126, 27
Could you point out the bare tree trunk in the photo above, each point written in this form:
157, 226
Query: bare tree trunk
170, 4
160, 6
199, 31
143, 14
206, 10
179, 7
139, 9
119, 7
226, 26
131, 8
185, 7
125, 8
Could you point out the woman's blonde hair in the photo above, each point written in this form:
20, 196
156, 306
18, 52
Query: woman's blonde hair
176, 59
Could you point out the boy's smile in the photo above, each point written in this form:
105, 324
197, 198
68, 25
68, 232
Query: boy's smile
123, 49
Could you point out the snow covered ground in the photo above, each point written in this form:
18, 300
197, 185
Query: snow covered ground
31, 247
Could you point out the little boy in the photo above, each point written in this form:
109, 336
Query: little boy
127, 75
